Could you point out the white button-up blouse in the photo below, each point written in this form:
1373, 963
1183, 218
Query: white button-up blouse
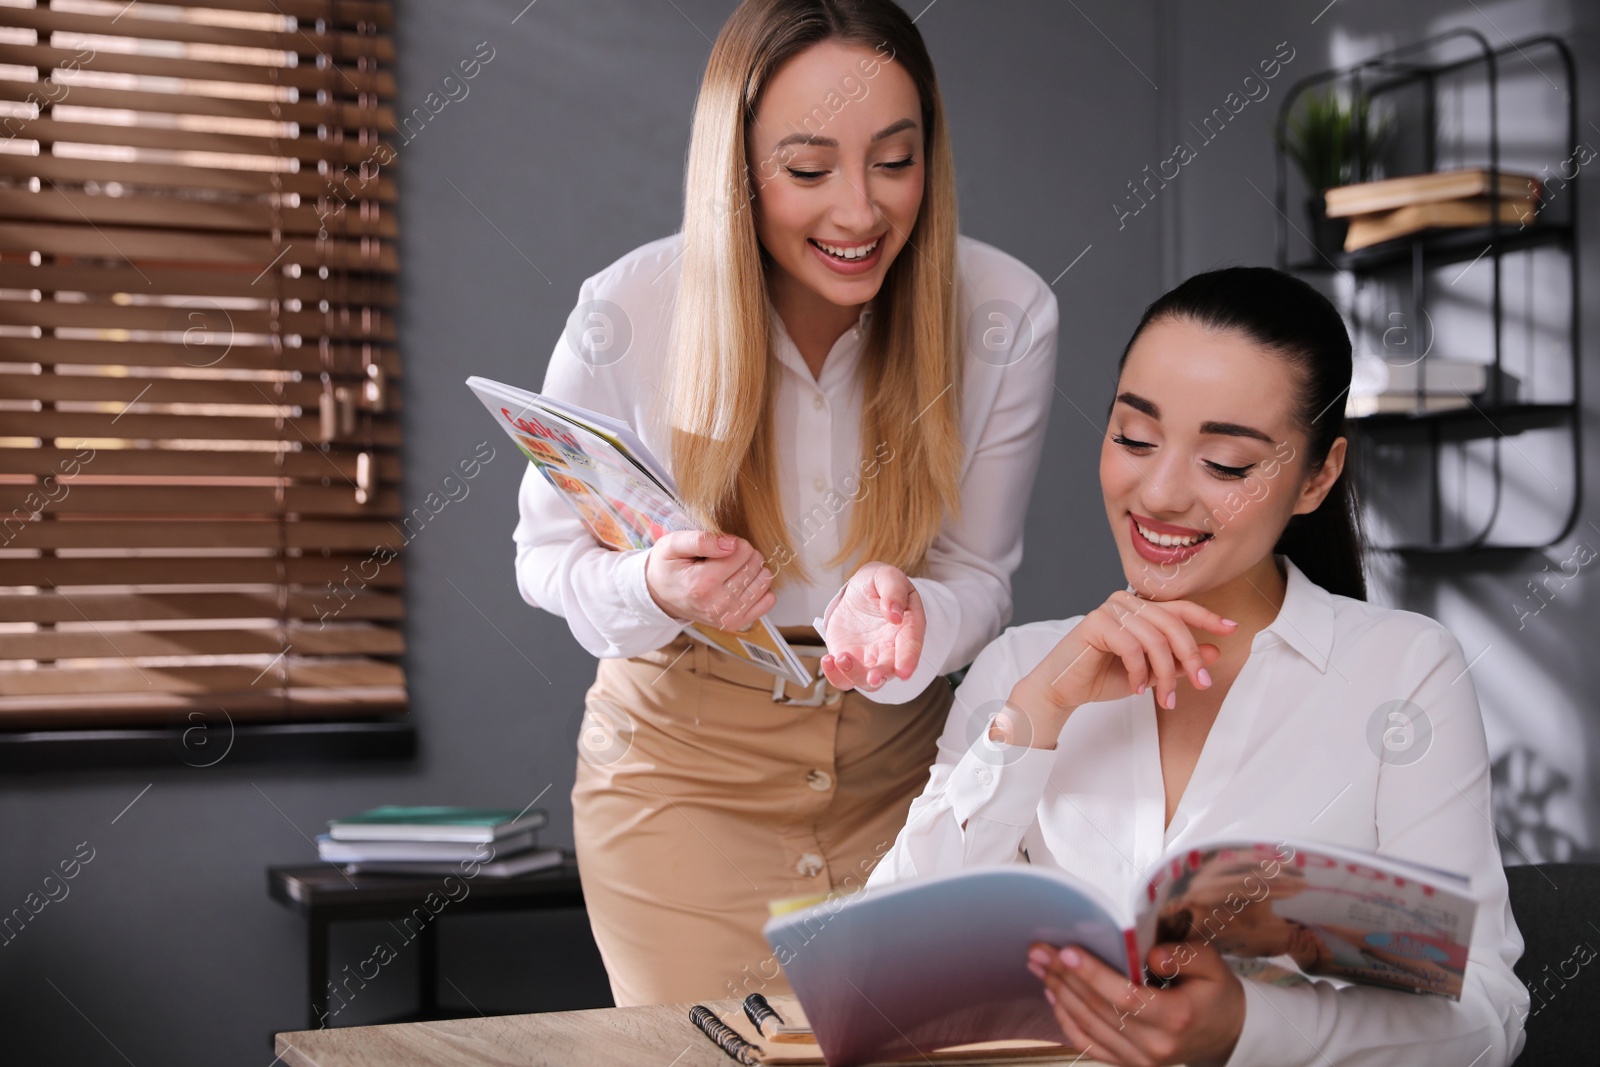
1009, 379
1306, 746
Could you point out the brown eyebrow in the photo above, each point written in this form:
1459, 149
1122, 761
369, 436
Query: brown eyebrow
1207, 429
1140, 404
1233, 429
829, 142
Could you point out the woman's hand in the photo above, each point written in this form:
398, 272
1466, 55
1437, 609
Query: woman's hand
1116, 650
875, 630
715, 579
1196, 1020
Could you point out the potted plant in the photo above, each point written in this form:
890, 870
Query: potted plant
1334, 141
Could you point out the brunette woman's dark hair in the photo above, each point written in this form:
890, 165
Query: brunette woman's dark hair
1292, 320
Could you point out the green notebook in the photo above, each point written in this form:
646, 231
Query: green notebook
395, 823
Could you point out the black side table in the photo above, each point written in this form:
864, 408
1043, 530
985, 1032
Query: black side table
325, 895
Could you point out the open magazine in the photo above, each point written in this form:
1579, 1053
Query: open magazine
942, 960
623, 495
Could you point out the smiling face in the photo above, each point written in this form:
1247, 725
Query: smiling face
1204, 461
836, 154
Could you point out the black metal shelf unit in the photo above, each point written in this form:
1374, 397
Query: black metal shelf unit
1491, 416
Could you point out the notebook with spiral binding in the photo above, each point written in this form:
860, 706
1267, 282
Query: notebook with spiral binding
791, 1043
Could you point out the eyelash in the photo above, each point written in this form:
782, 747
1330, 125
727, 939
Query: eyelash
1230, 473
807, 175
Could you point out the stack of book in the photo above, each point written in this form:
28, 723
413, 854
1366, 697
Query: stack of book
1396, 207
1378, 387
482, 842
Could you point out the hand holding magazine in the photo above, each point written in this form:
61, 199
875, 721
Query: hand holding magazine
623, 495
941, 961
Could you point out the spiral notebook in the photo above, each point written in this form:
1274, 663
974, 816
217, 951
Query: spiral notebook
795, 1045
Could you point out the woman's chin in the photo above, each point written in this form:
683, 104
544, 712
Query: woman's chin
1153, 581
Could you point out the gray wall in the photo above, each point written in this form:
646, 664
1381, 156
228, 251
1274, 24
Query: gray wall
567, 153
1533, 667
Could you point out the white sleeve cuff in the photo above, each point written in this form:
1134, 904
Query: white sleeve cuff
821, 621
999, 782
635, 590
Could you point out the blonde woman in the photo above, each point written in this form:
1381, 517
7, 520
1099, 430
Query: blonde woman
852, 399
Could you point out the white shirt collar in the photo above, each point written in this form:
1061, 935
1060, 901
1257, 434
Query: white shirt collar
1305, 621
789, 354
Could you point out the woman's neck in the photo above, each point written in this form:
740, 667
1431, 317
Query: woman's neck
813, 322
1252, 600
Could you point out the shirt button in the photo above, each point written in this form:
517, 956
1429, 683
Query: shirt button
810, 865
818, 484
817, 402
984, 776
821, 781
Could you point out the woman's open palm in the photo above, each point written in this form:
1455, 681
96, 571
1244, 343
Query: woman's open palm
875, 630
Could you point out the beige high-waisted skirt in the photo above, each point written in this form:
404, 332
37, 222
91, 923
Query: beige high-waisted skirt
700, 798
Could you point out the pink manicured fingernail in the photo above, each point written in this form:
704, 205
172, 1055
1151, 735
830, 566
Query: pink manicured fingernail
1172, 700
843, 661
1139, 691
1040, 956
1036, 968
1229, 622
1205, 677
1070, 957
1051, 997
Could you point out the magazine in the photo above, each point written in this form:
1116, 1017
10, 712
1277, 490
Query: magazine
624, 496
941, 961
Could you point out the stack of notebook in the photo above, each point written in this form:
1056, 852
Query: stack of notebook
1417, 386
1396, 207
476, 842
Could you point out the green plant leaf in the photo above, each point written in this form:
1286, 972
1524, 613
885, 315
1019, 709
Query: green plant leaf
1321, 138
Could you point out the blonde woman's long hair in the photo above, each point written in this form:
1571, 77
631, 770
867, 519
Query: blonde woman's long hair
723, 377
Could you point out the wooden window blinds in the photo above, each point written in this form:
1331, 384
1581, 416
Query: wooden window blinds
199, 505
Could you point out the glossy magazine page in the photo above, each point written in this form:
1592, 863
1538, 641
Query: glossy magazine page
621, 494
1339, 913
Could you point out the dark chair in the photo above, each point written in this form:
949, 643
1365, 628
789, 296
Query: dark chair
1557, 908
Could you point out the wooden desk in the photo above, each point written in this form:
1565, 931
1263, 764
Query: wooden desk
656, 1036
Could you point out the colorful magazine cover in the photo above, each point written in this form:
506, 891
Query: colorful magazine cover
621, 493
941, 961
1337, 914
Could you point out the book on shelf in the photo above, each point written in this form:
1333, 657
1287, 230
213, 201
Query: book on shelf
510, 867
622, 494
941, 961
332, 851
1374, 375
1375, 228
1387, 194
393, 822
1403, 403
